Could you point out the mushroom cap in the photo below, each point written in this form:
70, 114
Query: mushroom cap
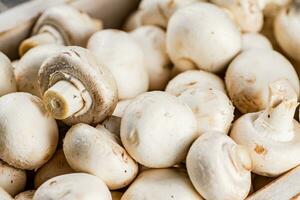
12, 180
74, 26
4, 195
248, 77
7, 79
80, 64
204, 36
73, 186
56, 166
116, 195
157, 129
99, 155
255, 41
286, 30
29, 136
153, 42
161, 184
26, 71
124, 57
27, 195
112, 124
120, 107
215, 170
195, 78
212, 108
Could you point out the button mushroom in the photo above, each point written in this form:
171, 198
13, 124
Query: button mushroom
73, 186
133, 21
272, 134
99, 155
121, 106
27, 195
248, 77
123, 56
29, 135
62, 25
7, 79
4, 195
202, 35
153, 41
161, 184
76, 88
219, 168
157, 129
255, 41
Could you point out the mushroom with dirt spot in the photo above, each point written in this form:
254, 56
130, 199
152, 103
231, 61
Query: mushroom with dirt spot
7, 78
27, 195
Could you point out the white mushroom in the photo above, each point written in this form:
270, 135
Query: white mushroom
219, 168
157, 129
124, 57
73, 186
255, 41
26, 71
249, 75
161, 184
61, 25
272, 135
112, 124
7, 79
195, 79
56, 166
93, 151
153, 42
27, 195
29, 135
12, 180
133, 21
116, 195
76, 88
4, 195
120, 107
202, 35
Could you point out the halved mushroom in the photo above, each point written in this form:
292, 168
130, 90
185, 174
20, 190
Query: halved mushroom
255, 41
29, 135
61, 25
7, 78
272, 134
76, 88
219, 168
27, 195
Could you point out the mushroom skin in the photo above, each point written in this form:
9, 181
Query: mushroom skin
248, 77
27, 195
255, 41
56, 166
4, 195
12, 180
76, 88
121, 107
194, 79
202, 36
73, 186
29, 135
272, 135
157, 129
61, 24
219, 168
7, 78
26, 72
153, 42
99, 155
124, 57
161, 184
133, 21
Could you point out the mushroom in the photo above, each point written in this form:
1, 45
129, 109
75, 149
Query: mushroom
62, 25
195, 78
248, 14
202, 36
26, 71
76, 88
121, 106
153, 42
272, 134
255, 41
161, 184
133, 21
112, 124
248, 77
29, 136
99, 155
123, 56
12, 180
27, 195
157, 129
73, 186
286, 29
4, 195
56, 166
116, 195
219, 168
212, 108
7, 79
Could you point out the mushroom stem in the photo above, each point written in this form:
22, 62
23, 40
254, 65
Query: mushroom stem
63, 99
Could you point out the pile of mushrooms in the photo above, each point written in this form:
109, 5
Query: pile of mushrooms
191, 100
